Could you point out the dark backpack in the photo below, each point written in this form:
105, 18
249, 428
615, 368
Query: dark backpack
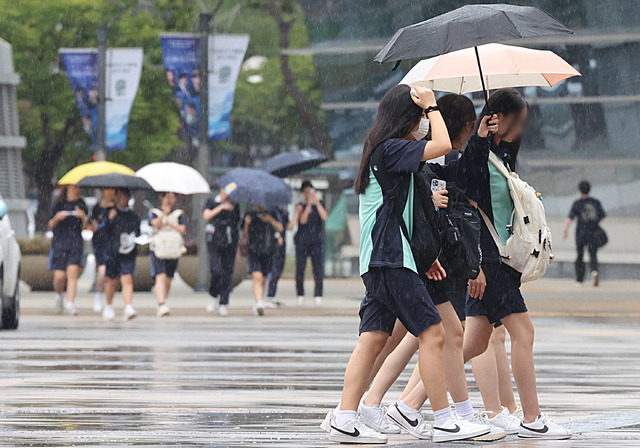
425, 239
262, 240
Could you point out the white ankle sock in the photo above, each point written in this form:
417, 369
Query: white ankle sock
442, 416
464, 409
404, 407
343, 417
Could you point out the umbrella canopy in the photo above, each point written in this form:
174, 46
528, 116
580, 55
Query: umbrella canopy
466, 27
114, 180
257, 187
503, 66
174, 177
93, 169
290, 163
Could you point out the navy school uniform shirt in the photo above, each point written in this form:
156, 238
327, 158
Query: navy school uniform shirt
402, 158
98, 214
589, 213
313, 231
121, 231
67, 235
224, 219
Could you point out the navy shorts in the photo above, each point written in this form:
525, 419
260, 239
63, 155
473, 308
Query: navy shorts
101, 251
451, 289
159, 266
502, 296
117, 266
396, 293
259, 263
59, 259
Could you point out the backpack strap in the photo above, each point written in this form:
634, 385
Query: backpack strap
386, 184
509, 175
494, 234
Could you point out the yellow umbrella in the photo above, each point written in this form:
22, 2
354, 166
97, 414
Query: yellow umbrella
93, 169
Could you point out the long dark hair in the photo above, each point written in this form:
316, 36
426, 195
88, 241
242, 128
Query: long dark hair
507, 102
397, 116
457, 111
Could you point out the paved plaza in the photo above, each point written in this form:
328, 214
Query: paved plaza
194, 379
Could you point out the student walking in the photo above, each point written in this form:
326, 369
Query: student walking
66, 257
100, 246
279, 258
168, 227
495, 294
122, 226
223, 217
393, 288
589, 213
310, 216
261, 233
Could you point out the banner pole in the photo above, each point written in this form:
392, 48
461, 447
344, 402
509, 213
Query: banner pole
101, 125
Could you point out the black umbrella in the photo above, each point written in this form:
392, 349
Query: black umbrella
290, 163
115, 180
257, 187
466, 27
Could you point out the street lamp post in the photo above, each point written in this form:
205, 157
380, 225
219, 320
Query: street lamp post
100, 152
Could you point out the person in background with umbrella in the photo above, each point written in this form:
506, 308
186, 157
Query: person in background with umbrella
122, 226
223, 219
279, 259
99, 241
165, 219
66, 258
495, 294
310, 216
261, 233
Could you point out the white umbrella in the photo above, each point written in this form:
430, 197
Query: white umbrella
174, 177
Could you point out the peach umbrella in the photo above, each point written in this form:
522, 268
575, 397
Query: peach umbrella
502, 66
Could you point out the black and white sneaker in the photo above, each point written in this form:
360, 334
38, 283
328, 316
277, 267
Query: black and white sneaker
543, 428
458, 429
354, 431
410, 421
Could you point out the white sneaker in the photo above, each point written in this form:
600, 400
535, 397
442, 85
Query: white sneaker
258, 309
411, 421
504, 420
326, 423
543, 428
318, 300
98, 303
222, 311
518, 413
595, 275
271, 302
163, 310
458, 429
129, 312
108, 312
300, 300
495, 433
59, 303
355, 431
70, 309
375, 417
212, 305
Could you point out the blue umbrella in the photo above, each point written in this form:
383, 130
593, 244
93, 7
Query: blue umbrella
257, 187
290, 163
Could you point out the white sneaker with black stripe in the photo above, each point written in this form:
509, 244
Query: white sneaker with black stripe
411, 421
458, 429
495, 432
375, 417
543, 428
355, 431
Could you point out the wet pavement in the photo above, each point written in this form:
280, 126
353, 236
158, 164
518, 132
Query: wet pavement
199, 380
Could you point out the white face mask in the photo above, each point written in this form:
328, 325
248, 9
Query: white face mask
423, 129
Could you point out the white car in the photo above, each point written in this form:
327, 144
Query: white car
9, 272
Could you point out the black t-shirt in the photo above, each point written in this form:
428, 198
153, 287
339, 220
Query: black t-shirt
68, 233
98, 214
224, 223
588, 212
313, 230
261, 239
121, 231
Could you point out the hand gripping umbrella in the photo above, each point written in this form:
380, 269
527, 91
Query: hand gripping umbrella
468, 27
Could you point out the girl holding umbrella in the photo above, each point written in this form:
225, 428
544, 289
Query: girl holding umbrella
99, 212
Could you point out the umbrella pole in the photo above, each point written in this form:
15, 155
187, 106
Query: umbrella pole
484, 88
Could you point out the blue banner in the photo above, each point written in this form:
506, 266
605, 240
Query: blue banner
123, 70
181, 56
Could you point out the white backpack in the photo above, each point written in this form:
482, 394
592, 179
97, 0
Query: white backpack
528, 249
167, 243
